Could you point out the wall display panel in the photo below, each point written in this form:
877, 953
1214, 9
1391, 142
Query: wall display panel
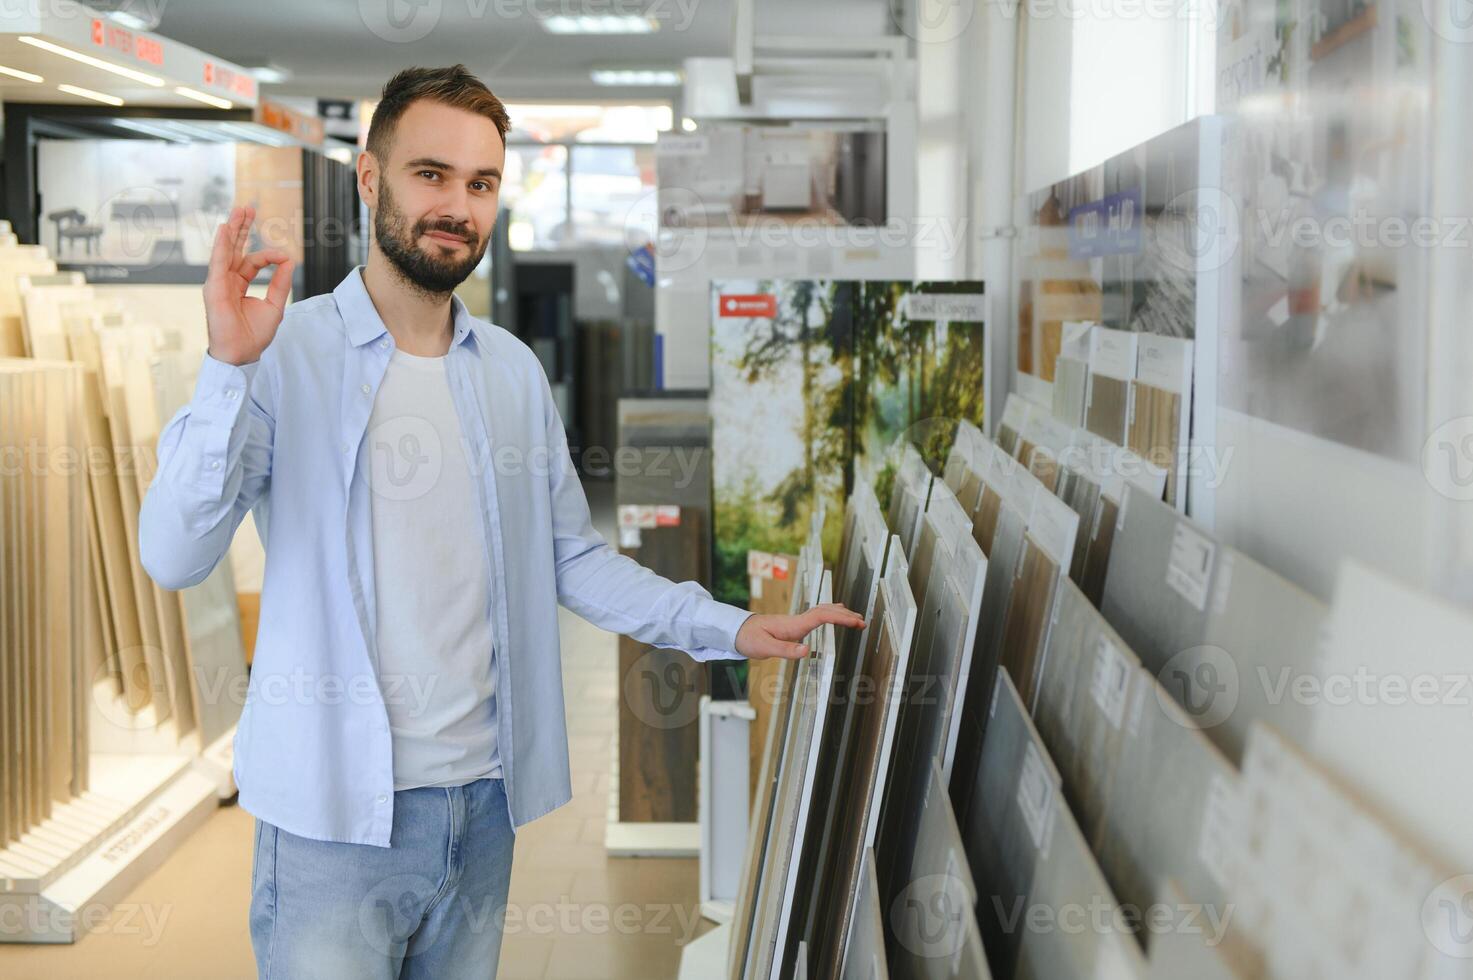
136, 210
1071, 379
807, 376
1327, 889
1012, 822
1328, 131
1085, 685
1171, 812
731, 177
1127, 244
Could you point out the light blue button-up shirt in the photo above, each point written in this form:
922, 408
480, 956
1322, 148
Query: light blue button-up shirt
283, 437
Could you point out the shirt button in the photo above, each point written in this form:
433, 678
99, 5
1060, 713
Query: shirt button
383, 344
382, 798
365, 389
230, 394
215, 465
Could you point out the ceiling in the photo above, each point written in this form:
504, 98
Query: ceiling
349, 48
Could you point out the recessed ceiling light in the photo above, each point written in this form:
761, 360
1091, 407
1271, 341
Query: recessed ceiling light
688, 124
88, 93
24, 76
270, 74
600, 24
87, 59
635, 76
207, 99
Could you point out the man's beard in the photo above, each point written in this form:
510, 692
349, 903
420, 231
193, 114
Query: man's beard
430, 273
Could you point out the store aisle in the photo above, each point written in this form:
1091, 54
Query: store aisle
574, 914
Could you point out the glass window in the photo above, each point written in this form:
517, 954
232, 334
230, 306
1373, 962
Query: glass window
590, 123
613, 194
534, 192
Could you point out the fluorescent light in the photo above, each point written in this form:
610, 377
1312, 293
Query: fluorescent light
130, 20
87, 59
24, 76
213, 100
688, 124
270, 74
600, 24
342, 155
87, 93
635, 76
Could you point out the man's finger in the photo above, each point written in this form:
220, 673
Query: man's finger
281, 285
253, 263
220, 254
771, 646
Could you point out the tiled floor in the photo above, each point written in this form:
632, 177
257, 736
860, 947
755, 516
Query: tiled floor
576, 914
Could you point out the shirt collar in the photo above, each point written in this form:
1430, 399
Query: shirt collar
364, 325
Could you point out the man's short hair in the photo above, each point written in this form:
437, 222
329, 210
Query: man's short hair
454, 86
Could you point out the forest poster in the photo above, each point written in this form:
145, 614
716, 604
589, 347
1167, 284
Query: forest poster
810, 375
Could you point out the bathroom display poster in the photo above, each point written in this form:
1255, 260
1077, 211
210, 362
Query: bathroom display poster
133, 210
1326, 158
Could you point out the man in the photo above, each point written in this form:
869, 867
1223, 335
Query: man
411, 482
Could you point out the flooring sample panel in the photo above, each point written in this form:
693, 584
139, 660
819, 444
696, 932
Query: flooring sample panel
1096, 566
1071, 378
934, 898
1326, 889
1025, 623
1081, 935
997, 585
929, 712
775, 937
864, 767
1171, 807
1012, 823
1105, 410
1083, 497
1203, 953
1162, 573
1404, 747
1155, 432
1085, 686
864, 952
659, 738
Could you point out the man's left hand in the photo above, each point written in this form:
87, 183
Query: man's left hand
763, 636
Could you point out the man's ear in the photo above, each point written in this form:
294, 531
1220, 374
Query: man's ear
368, 174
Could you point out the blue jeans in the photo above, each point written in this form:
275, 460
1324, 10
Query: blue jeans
432, 904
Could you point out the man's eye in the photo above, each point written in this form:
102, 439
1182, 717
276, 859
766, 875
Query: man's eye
428, 173
481, 185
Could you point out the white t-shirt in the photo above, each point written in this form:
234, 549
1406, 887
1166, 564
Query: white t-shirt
435, 651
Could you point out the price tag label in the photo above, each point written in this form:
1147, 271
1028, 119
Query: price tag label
1110, 683
1190, 565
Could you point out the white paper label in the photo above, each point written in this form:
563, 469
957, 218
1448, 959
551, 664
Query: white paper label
1190, 565
756, 586
1113, 353
667, 515
944, 306
1111, 681
629, 537
1221, 826
628, 515
1035, 795
682, 146
1164, 362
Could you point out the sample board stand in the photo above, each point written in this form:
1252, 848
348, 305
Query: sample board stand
631, 839
148, 793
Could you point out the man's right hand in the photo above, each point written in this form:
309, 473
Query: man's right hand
242, 326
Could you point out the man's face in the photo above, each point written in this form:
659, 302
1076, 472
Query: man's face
437, 194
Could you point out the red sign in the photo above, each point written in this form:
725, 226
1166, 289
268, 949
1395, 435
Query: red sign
759, 305
124, 41
234, 82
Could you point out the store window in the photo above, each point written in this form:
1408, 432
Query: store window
534, 193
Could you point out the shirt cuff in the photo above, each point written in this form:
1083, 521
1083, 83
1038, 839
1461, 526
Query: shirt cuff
724, 624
